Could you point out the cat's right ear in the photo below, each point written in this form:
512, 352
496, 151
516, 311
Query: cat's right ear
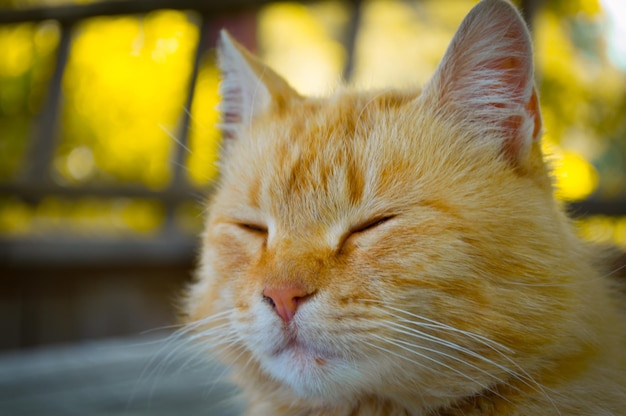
487, 75
248, 87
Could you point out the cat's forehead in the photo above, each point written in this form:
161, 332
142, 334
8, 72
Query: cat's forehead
344, 116
345, 129
322, 158
341, 131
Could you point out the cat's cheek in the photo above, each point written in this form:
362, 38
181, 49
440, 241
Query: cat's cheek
224, 260
258, 329
210, 293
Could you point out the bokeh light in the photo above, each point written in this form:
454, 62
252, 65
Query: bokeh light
301, 43
125, 86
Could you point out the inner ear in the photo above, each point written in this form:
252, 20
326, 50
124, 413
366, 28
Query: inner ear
519, 128
486, 76
248, 88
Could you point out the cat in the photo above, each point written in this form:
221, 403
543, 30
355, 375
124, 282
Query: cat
400, 252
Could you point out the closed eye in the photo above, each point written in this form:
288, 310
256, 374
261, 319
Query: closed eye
370, 224
251, 227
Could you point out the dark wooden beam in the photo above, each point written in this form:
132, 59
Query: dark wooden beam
72, 13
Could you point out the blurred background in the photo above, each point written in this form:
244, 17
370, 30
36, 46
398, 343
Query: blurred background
108, 141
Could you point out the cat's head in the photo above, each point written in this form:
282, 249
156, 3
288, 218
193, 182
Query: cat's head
385, 242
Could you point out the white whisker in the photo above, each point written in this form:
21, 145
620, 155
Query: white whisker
400, 345
173, 345
479, 338
418, 334
192, 118
173, 137
520, 374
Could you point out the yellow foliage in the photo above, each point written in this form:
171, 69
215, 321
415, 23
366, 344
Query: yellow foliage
577, 89
15, 217
19, 57
125, 83
576, 178
296, 44
603, 229
141, 216
590, 7
204, 134
400, 43
92, 217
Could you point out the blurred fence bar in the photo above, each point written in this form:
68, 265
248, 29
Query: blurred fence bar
73, 13
39, 162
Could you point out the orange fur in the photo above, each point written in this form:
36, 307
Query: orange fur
471, 296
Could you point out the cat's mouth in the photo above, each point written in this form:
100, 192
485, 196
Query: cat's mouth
309, 369
298, 350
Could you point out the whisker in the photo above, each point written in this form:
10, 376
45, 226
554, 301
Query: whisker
522, 376
188, 340
199, 349
226, 369
192, 118
161, 328
420, 335
173, 137
370, 101
479, 338
577, 283
179, 339
524, 379
399, 344
612, 272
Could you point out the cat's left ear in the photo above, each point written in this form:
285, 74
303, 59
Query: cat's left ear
487, 75
248, 88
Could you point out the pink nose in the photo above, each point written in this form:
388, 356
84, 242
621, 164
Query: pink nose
286, 299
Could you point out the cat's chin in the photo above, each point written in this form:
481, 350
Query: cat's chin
312, 374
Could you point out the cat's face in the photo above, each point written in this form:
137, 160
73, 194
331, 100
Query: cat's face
382, 242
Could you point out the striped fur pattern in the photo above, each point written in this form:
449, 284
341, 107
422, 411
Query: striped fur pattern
435, 275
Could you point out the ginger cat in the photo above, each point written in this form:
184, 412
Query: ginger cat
400, 252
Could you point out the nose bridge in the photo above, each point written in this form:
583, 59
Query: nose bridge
294, 262
291, 277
